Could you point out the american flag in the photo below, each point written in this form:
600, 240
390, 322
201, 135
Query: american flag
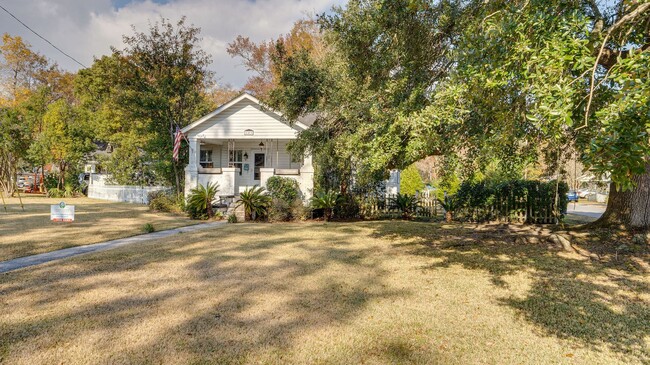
177, 143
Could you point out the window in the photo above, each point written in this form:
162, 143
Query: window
206, 159
235, 159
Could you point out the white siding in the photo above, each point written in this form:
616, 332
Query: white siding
232, 122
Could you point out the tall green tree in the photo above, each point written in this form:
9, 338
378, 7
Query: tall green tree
383, 58
140, 94
23, 74
65, 138
554, 77
485, 83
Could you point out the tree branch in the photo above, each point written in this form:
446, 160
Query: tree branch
612, 56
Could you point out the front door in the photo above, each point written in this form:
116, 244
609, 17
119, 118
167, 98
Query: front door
259, 163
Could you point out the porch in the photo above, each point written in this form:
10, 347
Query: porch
238, 164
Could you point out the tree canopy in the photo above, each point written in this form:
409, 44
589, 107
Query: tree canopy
500, 84
137, 96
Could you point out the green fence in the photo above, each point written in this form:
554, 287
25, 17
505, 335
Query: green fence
517, 201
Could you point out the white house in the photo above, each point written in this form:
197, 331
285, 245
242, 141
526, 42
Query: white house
243, 144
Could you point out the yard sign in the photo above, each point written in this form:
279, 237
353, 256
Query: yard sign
62, 212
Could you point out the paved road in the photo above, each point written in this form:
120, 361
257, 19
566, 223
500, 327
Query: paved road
21, 262
587, 209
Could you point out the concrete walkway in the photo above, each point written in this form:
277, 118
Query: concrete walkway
21, 262
594, 210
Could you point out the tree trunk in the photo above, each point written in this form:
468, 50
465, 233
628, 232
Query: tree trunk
449, 217
629, 208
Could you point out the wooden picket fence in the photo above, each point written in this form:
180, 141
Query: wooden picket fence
512, 209
509, 209
379, 206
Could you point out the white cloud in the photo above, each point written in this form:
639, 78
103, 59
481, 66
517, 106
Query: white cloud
87, 28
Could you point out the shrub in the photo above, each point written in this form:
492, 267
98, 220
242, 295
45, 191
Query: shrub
232, 218
282, 211
348, 207
148, 228
326, 201
69, 191
405, 203
199, 201
283, 188
299, 211
255, 201
54, 193
164, 201
410, 180
51, 181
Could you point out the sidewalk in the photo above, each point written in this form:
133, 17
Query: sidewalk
22, 262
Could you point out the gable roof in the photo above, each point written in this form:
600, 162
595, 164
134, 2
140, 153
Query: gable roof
226, 106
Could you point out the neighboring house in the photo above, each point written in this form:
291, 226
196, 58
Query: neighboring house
102, 151
243, 144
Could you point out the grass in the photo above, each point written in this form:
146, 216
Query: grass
31, 232
331, 293
574, 219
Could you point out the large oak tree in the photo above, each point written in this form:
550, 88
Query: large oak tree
504, 81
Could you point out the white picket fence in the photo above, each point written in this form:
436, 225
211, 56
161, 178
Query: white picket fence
99, 189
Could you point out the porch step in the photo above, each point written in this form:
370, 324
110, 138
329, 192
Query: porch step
233, 209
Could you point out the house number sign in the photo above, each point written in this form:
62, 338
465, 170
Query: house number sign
249, 132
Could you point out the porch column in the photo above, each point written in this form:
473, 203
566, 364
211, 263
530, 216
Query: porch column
265, 174
192, 170
195, 155
229, 185
307, 178
307, 164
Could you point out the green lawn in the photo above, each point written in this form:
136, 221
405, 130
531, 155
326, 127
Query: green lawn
336, 293
30, 231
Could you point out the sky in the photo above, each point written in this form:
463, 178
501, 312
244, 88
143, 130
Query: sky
88, 28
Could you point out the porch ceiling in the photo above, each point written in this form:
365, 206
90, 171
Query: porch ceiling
216, 141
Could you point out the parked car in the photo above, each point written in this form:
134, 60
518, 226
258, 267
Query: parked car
584, 193
572, 196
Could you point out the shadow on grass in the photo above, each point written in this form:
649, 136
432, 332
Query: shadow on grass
593, 302
31, 232
223, 301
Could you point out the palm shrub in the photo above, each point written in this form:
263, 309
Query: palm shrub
199, 201
69, 191
54, 193
407, 204
255, 201
449, 204
326, 201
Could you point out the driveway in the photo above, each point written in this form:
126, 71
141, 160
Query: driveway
587, 209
